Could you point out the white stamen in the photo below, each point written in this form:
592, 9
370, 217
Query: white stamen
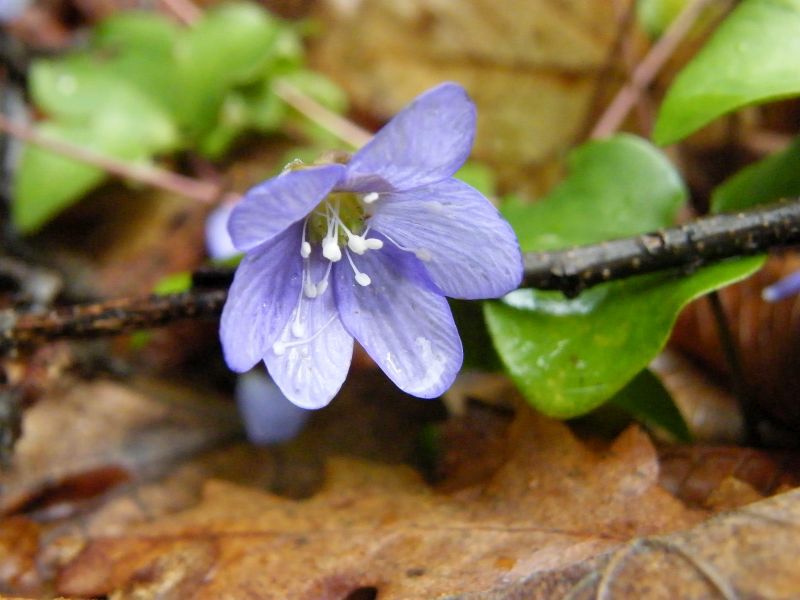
331, 250
374, 244
322, 286
305, 247
297, 328
280, 347
420, 253
357, 244
370, 198
309, 289
361, 278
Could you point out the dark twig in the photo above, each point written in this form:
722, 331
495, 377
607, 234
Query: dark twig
106, 318
689, 246
569, 271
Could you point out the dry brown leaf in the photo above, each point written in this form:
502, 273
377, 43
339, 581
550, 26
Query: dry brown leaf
748, 553
697, 474
710, 410
533, 73
84, 440
554, 503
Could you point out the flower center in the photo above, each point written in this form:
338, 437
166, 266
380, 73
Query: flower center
337, 224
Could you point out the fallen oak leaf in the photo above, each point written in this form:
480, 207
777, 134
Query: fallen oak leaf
555, 503
91, 436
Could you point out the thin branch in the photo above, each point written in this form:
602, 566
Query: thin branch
106, 318
160, 178
570, 271
689, 246
342, 128
347, 131
647, 70
186, 11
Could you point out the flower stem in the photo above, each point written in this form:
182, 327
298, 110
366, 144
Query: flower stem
186, 11
160, 178
344, 129
647, 70
749, 410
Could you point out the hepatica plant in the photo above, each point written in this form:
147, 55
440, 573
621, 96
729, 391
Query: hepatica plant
366, 247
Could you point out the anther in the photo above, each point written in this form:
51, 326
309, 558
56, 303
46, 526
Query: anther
361, 278
357, 244
331, 250
374, 244
310, 290
370, 198
305, 249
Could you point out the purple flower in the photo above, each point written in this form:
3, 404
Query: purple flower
219, 244
368, 248
788, 286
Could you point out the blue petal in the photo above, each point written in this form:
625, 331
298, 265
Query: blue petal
468, 249
270, 207
269, 417
219, 244
425, 142
404, 326
310, 374
261, 299
788, 286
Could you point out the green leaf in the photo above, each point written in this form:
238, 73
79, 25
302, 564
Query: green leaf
479, 176
46, 183
752, 58
136, 31
174, 283
775, 177
646, 398
231, 45
617, 187
77, 90
570, 356
656, 15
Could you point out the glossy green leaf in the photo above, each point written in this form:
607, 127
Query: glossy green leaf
773, 178
649, 402
46, 183
752, 58
616, 187
570, 356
